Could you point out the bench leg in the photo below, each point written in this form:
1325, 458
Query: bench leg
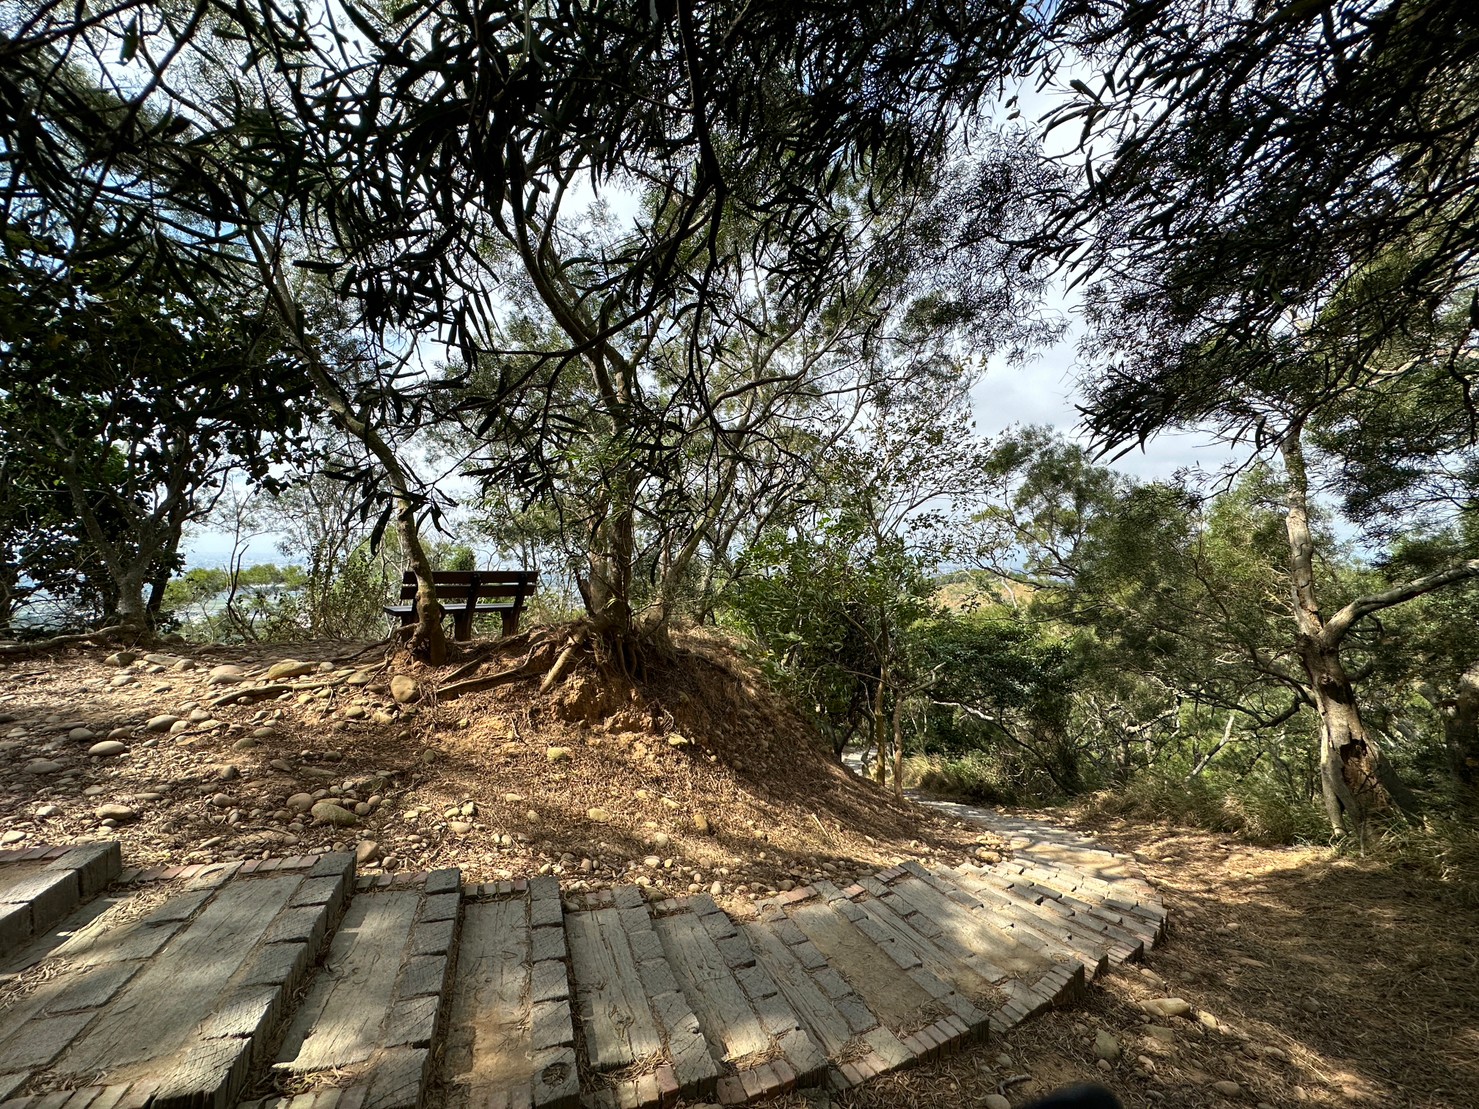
462, 624
510, 622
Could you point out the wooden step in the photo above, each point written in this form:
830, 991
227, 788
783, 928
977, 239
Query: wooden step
932, 1008
41, 885
1135, 900
369, 1019
1019, 920
1033, 972
643, 1044
1122, 944
174, 1004
1026, 917
856, 1043
511, 1039
1129, 916
741, 1011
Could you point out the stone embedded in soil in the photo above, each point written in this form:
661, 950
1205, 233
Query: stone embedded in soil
1167, 1006
225, 674
120, 813
1160, 1032
557, 754
996, 1101
162, 723
42, 766
598, 815
1227, 1088
121, 658
328, 812
459, 827
701, 824
404, 689
1106, 1046
107, 748
366, 851
289, 668
81, 735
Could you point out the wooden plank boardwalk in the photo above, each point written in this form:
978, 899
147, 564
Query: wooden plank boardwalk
287, 984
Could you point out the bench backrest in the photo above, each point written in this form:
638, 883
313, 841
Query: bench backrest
458, 585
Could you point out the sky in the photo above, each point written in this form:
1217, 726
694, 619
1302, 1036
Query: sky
1040, 392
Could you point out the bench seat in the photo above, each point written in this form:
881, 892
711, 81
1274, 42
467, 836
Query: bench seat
463, 594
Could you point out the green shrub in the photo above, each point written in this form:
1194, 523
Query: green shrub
1442, 849
1251, 808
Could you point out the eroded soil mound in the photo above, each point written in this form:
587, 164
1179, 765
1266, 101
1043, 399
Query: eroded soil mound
698, 777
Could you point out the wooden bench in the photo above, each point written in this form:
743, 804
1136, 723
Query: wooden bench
462, 594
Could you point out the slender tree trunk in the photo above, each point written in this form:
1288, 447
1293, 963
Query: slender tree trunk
1350, 762
427, 639
132, 609
898, 730
1461, 729
880, 735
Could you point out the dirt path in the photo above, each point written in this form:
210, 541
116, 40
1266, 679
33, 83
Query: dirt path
1313, 981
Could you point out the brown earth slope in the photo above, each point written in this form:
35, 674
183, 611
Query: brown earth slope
698, 778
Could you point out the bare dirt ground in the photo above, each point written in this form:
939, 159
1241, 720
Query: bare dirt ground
699, 779
1313, 980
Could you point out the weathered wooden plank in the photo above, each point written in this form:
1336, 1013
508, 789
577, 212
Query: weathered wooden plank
1052, 922
724, 1013
890, 993
989, 949
613, 1005
158, 1010
817, 1011
488, 1050
341, 1019
893, 931
204, 1077
1083, 913
398, 1078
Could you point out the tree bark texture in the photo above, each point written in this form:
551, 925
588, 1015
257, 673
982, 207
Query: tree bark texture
1350, 762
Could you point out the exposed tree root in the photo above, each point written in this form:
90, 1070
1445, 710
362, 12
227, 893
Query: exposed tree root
562, 661
490, 681
483, 654
235, 695
41, 646
363, 651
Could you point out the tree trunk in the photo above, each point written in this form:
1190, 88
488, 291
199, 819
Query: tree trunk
1350, 763
880, 736
1461, 729
1350, 768
898, 730
132, 610
427, 639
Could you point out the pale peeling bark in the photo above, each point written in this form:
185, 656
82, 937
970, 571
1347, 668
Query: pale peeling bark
1350, 781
